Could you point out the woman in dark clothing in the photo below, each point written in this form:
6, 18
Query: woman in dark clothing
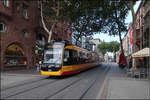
130, 63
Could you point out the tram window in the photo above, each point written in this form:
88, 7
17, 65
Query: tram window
66, 57
75, 57
66, 54
71, 57
48, 56
80, 54
87, 55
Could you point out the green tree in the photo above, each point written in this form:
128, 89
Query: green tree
53, 11
112, 46
116, 19
109, 17
103, 47
80, 12
84, 26
86, 19
87, 16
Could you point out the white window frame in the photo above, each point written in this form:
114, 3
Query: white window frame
43, 39
6, 3
38, 3
17, 8
25, 12
25, 33
40, 22
3, 27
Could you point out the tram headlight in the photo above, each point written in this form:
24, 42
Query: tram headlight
57, 66
43, 66
40, 62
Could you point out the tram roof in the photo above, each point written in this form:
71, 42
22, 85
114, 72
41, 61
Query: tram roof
73, 47
69, 46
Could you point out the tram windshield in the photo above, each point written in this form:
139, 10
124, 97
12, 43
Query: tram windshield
54, 53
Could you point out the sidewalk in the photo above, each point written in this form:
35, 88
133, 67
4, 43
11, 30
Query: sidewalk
31, 71
14, 77
118, 86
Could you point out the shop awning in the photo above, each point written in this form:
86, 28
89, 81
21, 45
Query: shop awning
142, 53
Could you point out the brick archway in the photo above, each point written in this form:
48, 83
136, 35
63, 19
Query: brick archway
14, 56
16, 43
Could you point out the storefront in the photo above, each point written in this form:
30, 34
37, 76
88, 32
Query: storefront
14, 57
142, 55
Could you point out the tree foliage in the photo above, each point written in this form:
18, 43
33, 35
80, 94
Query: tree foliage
116, 19
103, 47
112, 46
102, 16
53, 11
89, 16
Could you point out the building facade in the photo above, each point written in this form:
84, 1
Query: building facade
63, 31
96, 42
142, 38
106, 57
146, 31
22, 33
18, 36
146, 17
125, 46
139, 28
130, 41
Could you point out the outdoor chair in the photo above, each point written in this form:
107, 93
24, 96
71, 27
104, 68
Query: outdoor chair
129, 72
142, 72
136, 74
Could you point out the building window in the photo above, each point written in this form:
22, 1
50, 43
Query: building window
2, 27
41, 23
17, 7
25, 13
14, 56
6, 3
43, 38
25, 33
38, 3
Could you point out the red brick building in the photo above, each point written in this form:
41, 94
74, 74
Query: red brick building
21, 31
146, 18
139, 28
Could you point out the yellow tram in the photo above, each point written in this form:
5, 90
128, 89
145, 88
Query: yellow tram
64, 59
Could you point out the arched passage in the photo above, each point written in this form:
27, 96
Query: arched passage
14, 56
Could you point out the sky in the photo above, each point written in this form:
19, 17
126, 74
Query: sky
107, 38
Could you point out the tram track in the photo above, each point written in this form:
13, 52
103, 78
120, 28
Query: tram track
29, 89
68, 86
106, 70
26, 90
63, 88
21, 84
45, 84
59, 89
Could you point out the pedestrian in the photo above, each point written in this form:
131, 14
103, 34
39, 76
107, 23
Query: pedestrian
130, 62
37, 66
40, 62
139, 63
